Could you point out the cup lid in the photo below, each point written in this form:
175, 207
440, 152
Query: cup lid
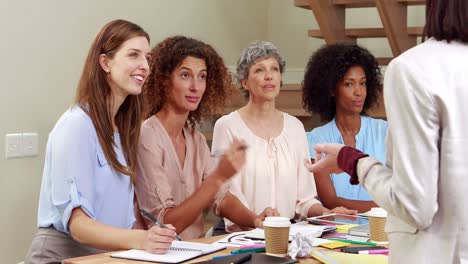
276, 221
377, 212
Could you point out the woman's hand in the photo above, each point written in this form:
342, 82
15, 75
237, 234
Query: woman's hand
341, 210
328, 164
232, 160
159, 239
261, 217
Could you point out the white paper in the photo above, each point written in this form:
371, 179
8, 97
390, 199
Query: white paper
238, 239
179, 251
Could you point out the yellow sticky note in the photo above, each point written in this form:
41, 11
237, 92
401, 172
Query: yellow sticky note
331, 257
344, 228
335, 244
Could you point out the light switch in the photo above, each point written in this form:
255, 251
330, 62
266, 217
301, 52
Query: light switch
30, 144
13, 145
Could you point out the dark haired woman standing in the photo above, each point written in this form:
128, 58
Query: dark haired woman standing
423, 185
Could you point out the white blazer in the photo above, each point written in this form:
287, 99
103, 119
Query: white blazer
424, 185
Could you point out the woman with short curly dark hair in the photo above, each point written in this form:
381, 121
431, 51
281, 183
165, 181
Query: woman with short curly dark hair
341, 82
176, 176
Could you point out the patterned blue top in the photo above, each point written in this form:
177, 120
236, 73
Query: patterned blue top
370, 140
76, 174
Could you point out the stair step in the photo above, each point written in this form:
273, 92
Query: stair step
355, 3
366, 32
413, 2
302, 4
384, 61
415, 31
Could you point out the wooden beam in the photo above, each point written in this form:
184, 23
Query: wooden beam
394, 19
355, 3
331, 21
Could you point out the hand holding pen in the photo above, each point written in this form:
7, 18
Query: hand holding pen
231, 160
155, 221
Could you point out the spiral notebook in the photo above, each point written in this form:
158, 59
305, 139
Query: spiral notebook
179, 251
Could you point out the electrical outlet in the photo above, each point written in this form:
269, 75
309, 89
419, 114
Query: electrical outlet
13, 146
30, 144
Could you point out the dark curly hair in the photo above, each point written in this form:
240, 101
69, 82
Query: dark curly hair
327, 67
166, 57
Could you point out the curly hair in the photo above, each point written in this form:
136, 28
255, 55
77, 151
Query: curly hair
256, 51
166, 57
327, 67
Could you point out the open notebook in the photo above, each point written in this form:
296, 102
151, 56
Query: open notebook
179, 251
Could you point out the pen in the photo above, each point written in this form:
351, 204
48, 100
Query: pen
374, 251
155, 221
243, 259
219, 153
248, 250
252, 246
353, 241
254, 238
221, 256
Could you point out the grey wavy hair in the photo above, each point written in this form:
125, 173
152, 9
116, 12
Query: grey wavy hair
257, 50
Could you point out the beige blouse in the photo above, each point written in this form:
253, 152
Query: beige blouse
161, 182
274, 174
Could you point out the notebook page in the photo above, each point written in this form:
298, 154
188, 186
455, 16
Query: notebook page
171, 256
202, 247
178, 252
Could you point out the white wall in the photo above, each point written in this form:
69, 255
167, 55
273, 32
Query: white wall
44, 45
43, 48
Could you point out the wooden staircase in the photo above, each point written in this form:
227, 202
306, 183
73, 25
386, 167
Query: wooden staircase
330, 16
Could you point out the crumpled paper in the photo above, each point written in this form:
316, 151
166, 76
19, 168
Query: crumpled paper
301, 245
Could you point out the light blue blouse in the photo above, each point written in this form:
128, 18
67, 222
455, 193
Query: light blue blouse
370, 140
76, 174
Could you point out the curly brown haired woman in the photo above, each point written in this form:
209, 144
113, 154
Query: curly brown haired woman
341, 82
167, 56
176, 175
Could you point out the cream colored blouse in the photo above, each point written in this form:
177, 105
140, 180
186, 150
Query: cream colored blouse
161, 181
274, 174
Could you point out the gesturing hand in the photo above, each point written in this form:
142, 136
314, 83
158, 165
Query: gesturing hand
232, 160
328, 164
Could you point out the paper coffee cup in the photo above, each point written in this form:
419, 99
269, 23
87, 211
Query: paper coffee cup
377, 220
276, 235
